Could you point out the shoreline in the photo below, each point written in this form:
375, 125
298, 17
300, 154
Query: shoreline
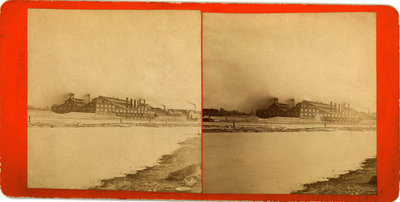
281, 129
176, 172
361, 181
108, 124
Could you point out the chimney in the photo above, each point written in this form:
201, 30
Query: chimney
164, 108
144, 101
292, 102
71, 95
127, 102
134, 104
336, 107
130, 104
276, 100
88, 98
331, 106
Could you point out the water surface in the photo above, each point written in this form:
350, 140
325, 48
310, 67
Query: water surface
280, 162
78, 158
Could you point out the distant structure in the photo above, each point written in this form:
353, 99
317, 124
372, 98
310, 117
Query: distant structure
275, 109
71, 104
189, 114
128, 108
333, 112
107, 106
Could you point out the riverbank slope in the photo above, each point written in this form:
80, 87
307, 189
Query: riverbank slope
357, 182
176, 172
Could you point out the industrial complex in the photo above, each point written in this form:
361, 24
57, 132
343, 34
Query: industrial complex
332, 112
128, 108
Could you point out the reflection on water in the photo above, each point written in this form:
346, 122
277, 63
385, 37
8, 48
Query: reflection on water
280, 162
77, 158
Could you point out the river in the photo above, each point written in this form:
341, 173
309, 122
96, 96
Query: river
280, 162
78, 158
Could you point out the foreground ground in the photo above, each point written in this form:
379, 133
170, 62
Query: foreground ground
358, 182
177, 172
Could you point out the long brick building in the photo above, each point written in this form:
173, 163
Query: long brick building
332, 112
128, 108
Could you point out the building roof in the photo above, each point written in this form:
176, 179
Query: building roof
79, 102
281, 106
325, 107
122, 103
114, 100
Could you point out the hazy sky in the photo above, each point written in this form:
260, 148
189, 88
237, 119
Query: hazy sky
150, 54
250, 58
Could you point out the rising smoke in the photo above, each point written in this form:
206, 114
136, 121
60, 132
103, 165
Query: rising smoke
250, 59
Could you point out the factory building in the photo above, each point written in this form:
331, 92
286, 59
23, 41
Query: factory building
70, 105
333, 112
275, 109
128, 108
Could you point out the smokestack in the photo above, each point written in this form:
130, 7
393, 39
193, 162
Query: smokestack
335, 107
331, 106
134, 105
292, 102
127, 102
144, 101
88, 98
130, 104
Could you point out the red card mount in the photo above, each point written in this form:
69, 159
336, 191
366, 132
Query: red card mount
13, 64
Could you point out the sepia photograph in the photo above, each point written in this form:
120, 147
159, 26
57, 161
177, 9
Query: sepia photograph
114, 100
289, 103
199, 101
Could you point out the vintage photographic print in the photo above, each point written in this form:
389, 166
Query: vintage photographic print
114, 100
289, 103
